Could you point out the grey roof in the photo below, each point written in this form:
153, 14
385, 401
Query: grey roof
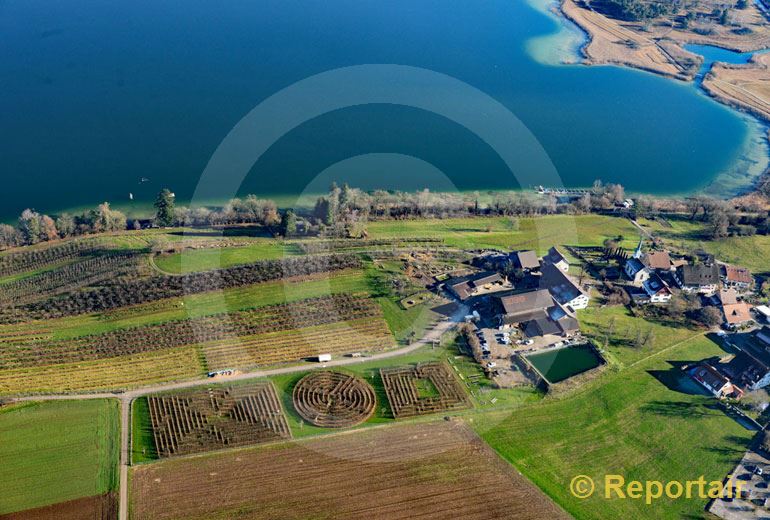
525, 302
541, 327
635, 265
554, 256
700, 274
526, 259
561, 287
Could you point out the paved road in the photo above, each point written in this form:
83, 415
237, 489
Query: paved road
434, 334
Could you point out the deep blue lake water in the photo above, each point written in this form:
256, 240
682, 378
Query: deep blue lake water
95, 95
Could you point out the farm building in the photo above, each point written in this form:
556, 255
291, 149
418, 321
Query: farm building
565, 291
700, 278
526, 260
555, 258
516, 308
468, 286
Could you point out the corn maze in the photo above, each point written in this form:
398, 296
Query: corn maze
423, 389
333, 399
215, 418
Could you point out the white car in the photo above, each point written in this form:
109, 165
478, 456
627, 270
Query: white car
492, 364
527, 341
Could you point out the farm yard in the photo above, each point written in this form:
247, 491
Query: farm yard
58, 458
216, 417
436, 470
423, 389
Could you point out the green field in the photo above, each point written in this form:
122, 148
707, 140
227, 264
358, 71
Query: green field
627, 423
57, 451
498, 232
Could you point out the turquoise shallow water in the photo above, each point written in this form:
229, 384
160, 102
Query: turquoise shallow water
96, 95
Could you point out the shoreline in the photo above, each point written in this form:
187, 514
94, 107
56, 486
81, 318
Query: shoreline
609, 42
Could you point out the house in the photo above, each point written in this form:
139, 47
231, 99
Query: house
711, 379
701, 278
562, 288
737, 314
636, 271
556, 258
468, 286
747, 371
657, 260
657, 289
728, 296
525, 260
515, 308
736, 277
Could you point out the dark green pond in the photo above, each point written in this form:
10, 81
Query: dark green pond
559, 364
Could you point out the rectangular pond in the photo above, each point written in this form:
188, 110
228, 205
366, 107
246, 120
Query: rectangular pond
562, 363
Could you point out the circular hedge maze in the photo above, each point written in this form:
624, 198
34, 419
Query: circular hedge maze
334, 400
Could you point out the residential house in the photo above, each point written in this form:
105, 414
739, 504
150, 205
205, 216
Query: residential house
701, 278
657, 289
656, 260
556, 258
636, 271
711, 379
738, 278
565, 291
468, 286
737, 314
747, 371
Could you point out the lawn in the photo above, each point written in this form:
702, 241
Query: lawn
217, 258
621, 328
56, 451
142, 440
627, 423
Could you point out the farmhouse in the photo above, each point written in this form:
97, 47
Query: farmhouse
636, 271
468, 286
555, 258
736, 277
562, 288
713, 381
701, 278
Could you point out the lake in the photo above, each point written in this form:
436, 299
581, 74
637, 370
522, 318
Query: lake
102, 99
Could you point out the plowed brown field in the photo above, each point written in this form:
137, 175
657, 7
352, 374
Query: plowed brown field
439, 470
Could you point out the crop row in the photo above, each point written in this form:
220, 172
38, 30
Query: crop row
122, 372
402, 386
69, 277
27, 260
228, 327
132, 292
365, 335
